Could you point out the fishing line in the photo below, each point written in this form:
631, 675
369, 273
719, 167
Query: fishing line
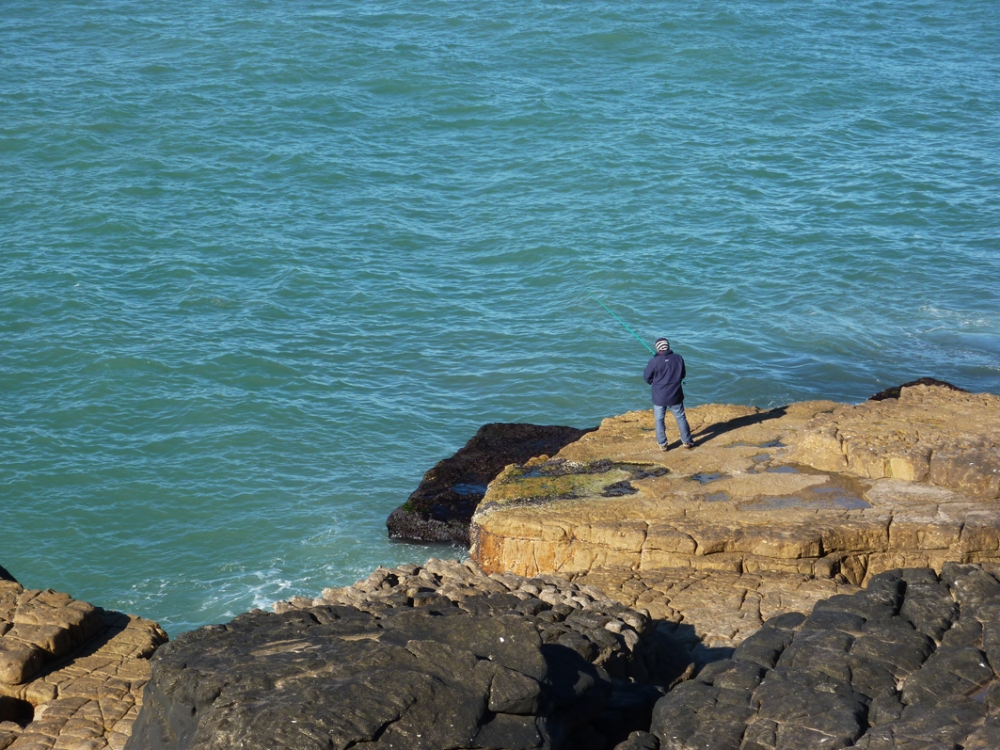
624, 324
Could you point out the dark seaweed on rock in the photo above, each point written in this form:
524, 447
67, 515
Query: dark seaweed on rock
897, 389
440, 509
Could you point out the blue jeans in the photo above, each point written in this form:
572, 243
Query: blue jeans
659, 412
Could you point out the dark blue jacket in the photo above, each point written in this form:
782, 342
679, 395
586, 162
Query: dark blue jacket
665, 372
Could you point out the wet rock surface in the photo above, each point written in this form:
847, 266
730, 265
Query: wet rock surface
910, 662
71, 674
440, 509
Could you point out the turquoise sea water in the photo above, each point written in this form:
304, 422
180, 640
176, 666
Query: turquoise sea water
262, 264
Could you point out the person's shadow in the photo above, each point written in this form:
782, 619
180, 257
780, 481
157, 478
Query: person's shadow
721, 428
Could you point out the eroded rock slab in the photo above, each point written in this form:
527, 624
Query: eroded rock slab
440, 509
646, 628
910, 662
621, 640
944, 437
71, 674
338, 677
817, 489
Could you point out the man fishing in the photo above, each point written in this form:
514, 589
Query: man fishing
665, 372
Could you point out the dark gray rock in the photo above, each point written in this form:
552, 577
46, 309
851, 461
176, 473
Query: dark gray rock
907, 664
639, 741
338, 677
949, 671
808, 704
928, 605
608, 634
441, 507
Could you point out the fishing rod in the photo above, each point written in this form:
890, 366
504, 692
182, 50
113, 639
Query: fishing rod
624, 324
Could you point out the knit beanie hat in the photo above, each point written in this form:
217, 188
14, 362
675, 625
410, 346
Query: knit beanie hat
662, 345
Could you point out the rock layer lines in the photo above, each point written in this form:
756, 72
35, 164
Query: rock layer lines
820, 489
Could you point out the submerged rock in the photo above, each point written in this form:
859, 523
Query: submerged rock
440, 509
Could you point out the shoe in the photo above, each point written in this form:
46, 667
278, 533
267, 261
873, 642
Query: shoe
664, 447
689, 446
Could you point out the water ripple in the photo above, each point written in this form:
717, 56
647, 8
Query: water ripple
264, 264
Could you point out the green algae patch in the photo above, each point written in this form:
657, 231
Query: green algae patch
538, 482
570, 485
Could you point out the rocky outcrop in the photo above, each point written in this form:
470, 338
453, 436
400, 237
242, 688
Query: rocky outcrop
704, 613
440, 509
443, 655
649, 632
932, 435
819, 489
911, 662
337, 677
71, 674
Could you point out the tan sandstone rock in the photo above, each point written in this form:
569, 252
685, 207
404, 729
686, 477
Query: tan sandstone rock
71, 674
814, 489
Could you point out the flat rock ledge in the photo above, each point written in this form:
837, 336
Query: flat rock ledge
441, 507
912, 662
71, 674
819, 489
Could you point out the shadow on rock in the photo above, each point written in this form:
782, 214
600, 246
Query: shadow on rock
721, 428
